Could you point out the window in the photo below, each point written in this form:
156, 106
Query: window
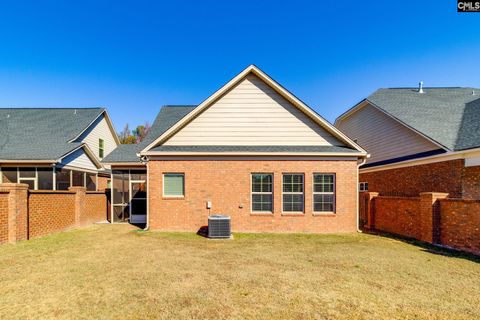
293, 200
78, 179
324, 192
91, 179
62, 179
45, 178
9, 174
262, 192
28, 176
173, 185
363, 186
101, 147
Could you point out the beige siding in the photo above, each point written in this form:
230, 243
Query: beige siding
99, 130
79, 159
383, 137
252, 113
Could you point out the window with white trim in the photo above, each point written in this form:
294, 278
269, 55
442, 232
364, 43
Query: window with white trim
292, 193
324, 192
363, 186
101, 148
174, 185
262, 192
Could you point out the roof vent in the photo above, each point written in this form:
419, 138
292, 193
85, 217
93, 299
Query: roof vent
75, 111
8, 116
473, 92
420, 87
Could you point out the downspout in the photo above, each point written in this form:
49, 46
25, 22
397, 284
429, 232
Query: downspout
144, 159
358, 198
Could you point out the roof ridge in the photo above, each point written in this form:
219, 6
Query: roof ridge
51, 108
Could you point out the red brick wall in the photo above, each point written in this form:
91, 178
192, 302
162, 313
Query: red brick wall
227, 185
398, 215
460, 224
50, 212
95, 208
410, 181
471, 182
3, 217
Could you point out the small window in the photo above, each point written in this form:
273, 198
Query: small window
293, 199
174, 185
324, 192
262, 192
363, 186
101, 146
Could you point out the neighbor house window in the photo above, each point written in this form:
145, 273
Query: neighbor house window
173, 185
28, 176
363, 186
262, 192
324, 192
101, 147
293, 200
62, 179
45, 178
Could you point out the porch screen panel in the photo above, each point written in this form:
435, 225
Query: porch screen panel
45, 178
62, 178
120, 192
91, 181
9, 174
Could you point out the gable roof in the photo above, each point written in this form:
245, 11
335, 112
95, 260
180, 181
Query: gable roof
167, 117
449, 117
42, 133
275, 86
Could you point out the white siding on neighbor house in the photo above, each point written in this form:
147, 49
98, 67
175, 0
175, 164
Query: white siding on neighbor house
383, 137
99, 130
252, 113
79, 159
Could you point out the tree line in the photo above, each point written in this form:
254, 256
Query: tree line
134, 136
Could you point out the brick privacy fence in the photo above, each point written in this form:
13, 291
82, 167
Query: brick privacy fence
431, 217
26, 214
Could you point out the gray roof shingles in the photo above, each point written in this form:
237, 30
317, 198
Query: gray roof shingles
449, 116
42, 133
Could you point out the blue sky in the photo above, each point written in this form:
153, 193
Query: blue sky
135, 56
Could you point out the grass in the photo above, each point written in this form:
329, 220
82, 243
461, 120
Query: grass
117, 272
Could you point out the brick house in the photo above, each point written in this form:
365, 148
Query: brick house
252, 151
56, 148
419, 139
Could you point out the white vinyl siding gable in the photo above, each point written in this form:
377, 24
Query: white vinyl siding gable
252, 113
79, 159
384, 138
99, 130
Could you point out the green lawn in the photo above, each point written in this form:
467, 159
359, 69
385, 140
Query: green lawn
117, 272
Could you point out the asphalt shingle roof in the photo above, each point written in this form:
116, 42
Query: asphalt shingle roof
42, 133
166, 118
449, 116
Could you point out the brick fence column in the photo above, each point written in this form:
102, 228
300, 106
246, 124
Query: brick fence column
17, 210
428, 220
370, 207
80, 197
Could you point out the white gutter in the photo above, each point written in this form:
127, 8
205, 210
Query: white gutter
147, 217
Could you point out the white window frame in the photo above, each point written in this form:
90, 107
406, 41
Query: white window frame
361, 186
163, 184
302, 193
334, 193
252, 192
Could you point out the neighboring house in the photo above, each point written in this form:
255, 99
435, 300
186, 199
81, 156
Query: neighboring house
252, 151
53, 149
420, 140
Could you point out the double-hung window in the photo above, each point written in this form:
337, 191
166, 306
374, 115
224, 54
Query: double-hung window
262, 192
363, 186
324, 192
293, 198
